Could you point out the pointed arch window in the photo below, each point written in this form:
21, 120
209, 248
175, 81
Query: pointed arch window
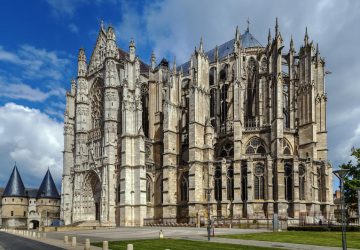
184, 187
252, 90
224, 92
320, 183
149, 188
145, 108
218, 184
230, 183
302, 173
286, 106
259, 182
244, 185
288, 179
255, 146
286, 147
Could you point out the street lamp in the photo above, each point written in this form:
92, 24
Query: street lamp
358, 194
341, 174
208, 191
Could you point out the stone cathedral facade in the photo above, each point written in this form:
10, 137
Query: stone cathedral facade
241, 127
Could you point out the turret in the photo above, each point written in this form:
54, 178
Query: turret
82, 63
132, 50
111, 48
153, 60
73, 87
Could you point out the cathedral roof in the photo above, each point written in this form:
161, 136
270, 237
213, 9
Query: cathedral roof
15, 185
227, 48
47, 188
144, 68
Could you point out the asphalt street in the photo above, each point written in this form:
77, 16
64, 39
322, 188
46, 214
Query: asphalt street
13, 242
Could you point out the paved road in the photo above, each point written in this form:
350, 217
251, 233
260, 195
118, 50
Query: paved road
132, 233
13, 242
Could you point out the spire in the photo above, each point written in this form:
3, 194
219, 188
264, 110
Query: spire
132, 48
153, 60
216, 56
269, 36
201, 46
317, 49
248, 25
291, 44
276, 27
15, 185
174, 65
82, 57
237, 33
306, 38
48, 188
102, 24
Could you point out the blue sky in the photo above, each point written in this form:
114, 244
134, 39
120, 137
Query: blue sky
40, 40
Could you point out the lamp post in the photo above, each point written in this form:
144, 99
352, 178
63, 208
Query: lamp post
358, 194
341, 174
208, 191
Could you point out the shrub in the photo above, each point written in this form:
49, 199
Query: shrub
324, 228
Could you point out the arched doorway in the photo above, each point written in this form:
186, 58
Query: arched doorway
92, 197
34, 224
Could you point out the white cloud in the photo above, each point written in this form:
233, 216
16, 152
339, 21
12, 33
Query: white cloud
73, 28
33, 140
36, 63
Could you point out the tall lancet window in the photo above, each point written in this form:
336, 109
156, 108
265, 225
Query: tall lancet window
286, 106
149, 188
302, 173
320, 183
259, 182
252, 89
224, 93
288, 179
244, 185
213, 86
145, 108
218, 184
230, 183
184, 187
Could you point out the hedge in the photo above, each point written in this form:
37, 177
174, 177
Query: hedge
324, 228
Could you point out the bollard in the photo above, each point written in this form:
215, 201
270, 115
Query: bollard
34, 234
130, 247
87, 244
73, 241
66, 239
105, 245
161, 234
39, 235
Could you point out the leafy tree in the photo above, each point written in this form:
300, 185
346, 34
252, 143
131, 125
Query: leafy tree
352, 181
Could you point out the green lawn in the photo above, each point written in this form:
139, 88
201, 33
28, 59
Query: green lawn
175, 244
310, 238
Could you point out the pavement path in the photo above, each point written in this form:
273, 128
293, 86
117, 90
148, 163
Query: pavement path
13, 242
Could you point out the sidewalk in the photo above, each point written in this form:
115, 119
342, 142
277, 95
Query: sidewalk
262, 243
54, 242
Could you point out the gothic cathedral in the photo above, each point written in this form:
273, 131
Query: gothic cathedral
241, 127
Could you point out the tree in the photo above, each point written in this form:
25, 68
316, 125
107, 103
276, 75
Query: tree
352, 181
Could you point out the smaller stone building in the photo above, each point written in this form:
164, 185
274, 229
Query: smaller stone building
22, 207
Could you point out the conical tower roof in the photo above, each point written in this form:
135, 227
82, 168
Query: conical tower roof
15, 185
47, 188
